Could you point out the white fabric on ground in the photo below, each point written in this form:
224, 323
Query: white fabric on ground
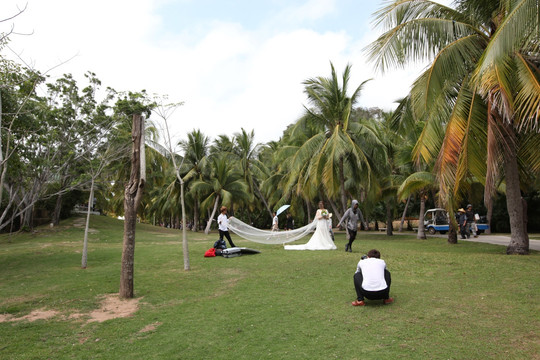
251, 233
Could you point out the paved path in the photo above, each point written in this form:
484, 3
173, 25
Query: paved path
503, 240
496, 239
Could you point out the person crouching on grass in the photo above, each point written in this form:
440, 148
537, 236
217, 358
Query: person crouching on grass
372, 279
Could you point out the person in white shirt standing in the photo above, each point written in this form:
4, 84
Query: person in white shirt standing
275, 222
372, 279
223, 226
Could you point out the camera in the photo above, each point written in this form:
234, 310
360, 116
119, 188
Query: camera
364, 257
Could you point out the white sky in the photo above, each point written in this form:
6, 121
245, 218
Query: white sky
235, 63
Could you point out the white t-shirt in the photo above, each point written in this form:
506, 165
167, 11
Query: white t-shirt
275, 222
372, 273
223, 222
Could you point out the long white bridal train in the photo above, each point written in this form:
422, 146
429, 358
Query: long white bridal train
251, 233
321, 239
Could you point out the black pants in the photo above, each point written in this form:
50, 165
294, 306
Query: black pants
226, 234
372, 295
352, 236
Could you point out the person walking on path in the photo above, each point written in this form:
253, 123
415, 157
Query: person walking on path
223, 226
471, 223
352, 215
372, 279
289, 225
462, 222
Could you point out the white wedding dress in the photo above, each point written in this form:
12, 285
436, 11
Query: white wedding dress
321, 239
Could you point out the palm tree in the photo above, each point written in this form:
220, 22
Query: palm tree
225, 185
254, 170
326, 156
480, 90
195, 159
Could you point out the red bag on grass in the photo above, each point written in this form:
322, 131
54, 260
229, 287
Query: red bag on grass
210, 252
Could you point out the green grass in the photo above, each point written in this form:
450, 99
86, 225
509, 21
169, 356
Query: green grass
464, 301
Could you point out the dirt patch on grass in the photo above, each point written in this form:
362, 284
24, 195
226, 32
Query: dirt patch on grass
112, 307
151, 327
40, 314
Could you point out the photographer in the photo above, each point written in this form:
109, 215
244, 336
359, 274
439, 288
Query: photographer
372, 279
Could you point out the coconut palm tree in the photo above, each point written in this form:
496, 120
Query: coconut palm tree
326, 156
254, 170
482, 87
224, 185
195, 158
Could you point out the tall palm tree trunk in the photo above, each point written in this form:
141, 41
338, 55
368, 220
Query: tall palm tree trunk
519, 243
421, 231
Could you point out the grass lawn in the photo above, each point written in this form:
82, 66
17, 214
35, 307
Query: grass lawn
464, 301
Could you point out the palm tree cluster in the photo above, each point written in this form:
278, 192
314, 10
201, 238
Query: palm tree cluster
479, 97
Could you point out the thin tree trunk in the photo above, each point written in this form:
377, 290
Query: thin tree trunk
308, 206
519, 243
57, 210
263, 199
195, 214
185, 249
389, 218
335, 209
421, 231
404, 214
86, 228
132, 198
209, 224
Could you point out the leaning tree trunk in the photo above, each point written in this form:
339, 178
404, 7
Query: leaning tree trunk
132, 198
207, 230
518, 240
335, 209
404, 214
389, 219
421, 231
86, 228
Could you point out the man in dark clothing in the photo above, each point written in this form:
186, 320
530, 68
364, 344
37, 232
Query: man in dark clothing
471, 223
462, 221
352, 215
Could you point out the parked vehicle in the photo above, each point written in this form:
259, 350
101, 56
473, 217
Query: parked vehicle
436, 220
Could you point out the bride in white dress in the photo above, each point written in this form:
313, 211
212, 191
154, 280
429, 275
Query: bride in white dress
321, 239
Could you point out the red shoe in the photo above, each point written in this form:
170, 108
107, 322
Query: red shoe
388, 301
358, 303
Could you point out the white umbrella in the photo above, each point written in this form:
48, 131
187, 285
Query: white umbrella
282, 209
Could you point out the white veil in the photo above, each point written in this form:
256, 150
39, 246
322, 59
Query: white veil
266, 236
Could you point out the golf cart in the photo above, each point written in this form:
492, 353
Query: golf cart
437, 220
